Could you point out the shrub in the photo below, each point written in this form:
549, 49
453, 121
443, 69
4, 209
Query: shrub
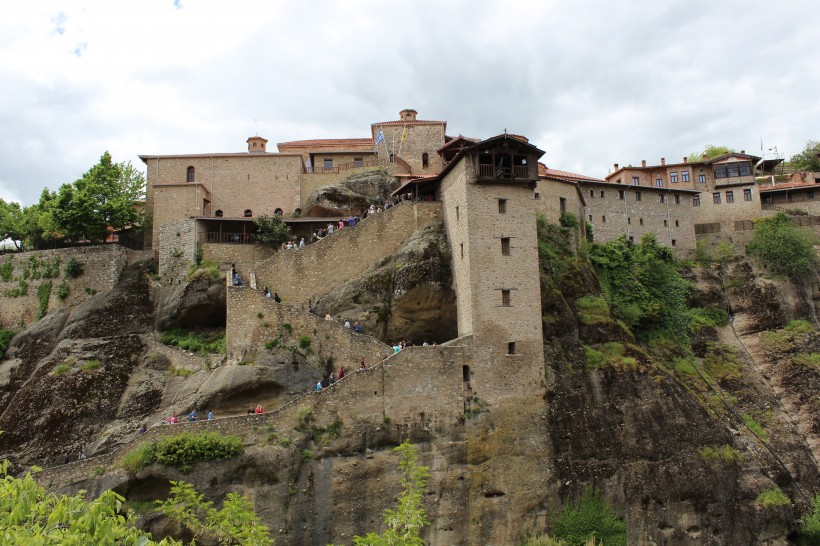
590, 518
304, 342
304, 416
90, 365
182, 451
73, 269
6, 270
706, 318
772, 497
810, 524
5, 340
307, 454
60, 369
721, 361
592, 309
137, 459
206, 268
196, 343
569, 220
43, 295
781, 247
179, 372
273, 344
812, 360
683, 367
62, 291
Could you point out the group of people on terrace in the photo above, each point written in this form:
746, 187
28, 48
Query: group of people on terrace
343, 372
174, 419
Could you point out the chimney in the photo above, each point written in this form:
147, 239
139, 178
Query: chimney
685, 159
257, 145
616, 166
663, 161
643, 163
408, 114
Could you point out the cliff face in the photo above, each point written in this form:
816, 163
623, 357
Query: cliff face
680, 451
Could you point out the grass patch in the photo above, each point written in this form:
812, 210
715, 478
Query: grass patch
593, 310
179, 372
721, 361
325, 435
43, 295
722, 454
799, 327
206, 268
90, 365
711, 317
777, 341
611, 354
196, 343
772, 497
60, 369
810, 360
756, 427
307, 455
810, 524
304, 416
684, 367
62, 291
304, 342
73, 269
182, 451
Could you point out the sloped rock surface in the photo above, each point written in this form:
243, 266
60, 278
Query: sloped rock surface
354, 195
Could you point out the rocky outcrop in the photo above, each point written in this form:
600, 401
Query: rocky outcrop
353, 196
408, 296
199, 302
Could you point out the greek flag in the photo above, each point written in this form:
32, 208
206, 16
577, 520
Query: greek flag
380, 137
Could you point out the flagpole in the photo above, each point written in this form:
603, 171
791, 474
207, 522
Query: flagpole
401, 140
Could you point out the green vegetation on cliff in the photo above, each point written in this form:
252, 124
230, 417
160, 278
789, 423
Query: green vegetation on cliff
182, 451
589, 519
5, 339
194, 342
782, 247
643, 286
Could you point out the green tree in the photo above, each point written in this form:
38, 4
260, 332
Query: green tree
782, 247
272, 230
405, 523
591, 519
12, 223
105, 197
29, 515
711, 152
808, 159
236, 523
643, 286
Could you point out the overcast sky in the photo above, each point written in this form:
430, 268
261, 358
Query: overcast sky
592, 83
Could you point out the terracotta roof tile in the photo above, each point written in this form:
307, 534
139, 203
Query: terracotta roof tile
546, 172
789, 186
329, 142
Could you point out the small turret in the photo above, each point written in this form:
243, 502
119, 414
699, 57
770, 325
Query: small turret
257, 145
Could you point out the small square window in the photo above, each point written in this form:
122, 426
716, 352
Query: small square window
603, 219
537, 195
637, 196
730, 196
696, 200
684, 176
328, 164
677, 199
659, 182
702, 178
502, 206
511, 348
640, 221
716, 198
663, 198
357, 162
620, 194
674, 242
673, 178
505, 246
505, 298
602, 193
592, 193
636, 181
747, 195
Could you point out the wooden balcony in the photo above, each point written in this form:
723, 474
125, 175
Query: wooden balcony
517, 172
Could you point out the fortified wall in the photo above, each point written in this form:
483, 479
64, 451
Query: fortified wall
253, 320
388, 392
101, 266
318, 268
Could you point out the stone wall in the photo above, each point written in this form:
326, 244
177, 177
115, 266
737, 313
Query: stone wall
420, 138
247, 331
615, 210
234, 182
389, 391
101, 265
246, 257
457, 218
549, 195
177, 249
313, 271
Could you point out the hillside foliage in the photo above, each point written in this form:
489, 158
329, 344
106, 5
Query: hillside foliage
782, 247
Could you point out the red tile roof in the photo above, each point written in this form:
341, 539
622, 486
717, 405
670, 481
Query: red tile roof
789, 186
546, 172
327, 142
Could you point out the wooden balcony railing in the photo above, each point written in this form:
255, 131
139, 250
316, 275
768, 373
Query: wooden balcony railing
491, 171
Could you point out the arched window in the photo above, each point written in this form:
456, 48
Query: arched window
248, 213
218, 213
425, 160
278, 212
190, 174
297, 212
